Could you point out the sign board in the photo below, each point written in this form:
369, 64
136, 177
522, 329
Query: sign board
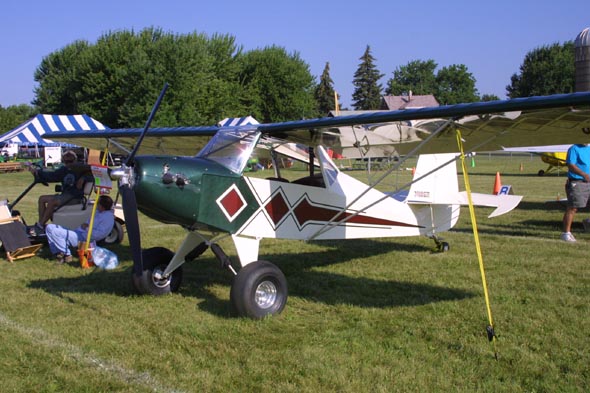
52, 155
102, 180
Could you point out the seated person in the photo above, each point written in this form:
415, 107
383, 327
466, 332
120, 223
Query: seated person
60, 239
72, 178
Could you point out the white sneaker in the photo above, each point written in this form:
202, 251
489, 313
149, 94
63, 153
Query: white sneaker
568, 237
586, 224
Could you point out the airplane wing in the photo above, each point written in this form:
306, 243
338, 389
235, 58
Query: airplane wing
484, 126
539, 149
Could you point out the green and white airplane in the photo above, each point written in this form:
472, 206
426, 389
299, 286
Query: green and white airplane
210, 195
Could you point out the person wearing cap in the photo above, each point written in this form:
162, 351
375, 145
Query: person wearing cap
72, 178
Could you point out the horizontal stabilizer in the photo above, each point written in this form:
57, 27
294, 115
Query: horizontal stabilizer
502, 203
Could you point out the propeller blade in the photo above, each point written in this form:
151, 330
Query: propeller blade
131, 156
128, 195
132, 224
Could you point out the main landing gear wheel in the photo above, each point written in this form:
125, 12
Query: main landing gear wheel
541, 172
259, 289
152, 281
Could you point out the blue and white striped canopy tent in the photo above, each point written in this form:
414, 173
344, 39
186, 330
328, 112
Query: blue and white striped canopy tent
237, 121
34, 132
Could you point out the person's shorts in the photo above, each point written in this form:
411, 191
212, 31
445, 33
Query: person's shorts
578, 193
68, 199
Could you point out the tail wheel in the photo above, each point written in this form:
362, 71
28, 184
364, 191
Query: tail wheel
152, 281
259, 289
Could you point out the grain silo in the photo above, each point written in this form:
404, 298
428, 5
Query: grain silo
582, 60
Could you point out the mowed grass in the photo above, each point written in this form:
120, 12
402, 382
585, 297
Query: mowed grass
376, 315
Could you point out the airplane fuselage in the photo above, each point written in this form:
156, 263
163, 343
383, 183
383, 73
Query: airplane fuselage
169, 188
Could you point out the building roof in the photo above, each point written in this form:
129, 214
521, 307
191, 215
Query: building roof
408, 101
349, 113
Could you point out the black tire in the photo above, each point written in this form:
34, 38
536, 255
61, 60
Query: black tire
259, 289
115, 237
541, 172
155, 261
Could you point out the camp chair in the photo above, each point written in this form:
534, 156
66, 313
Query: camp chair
13, 236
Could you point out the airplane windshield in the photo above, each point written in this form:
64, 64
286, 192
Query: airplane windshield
231, 148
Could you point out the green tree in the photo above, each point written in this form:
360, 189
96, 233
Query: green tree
60, 77
367, 90
545, 70
489, 97
117, 79
416, 76
277, 86
324, 92
455, 84
128, 70
13, 115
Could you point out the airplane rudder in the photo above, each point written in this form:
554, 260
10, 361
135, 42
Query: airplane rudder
441, 185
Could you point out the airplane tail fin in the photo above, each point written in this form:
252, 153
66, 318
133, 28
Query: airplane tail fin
442, 187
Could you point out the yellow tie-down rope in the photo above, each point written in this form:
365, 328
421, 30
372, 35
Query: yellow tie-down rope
85, 256
490, 327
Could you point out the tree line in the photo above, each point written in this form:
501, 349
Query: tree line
116, 79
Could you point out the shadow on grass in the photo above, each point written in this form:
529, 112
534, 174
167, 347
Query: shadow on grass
518, 174
543, 206
528, 228
317, 286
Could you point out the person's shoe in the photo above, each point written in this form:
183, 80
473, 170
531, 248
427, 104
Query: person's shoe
586, 224
60, 257
568, 237
68, 259
39, 228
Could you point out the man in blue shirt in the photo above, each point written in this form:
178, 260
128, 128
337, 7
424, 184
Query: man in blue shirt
577, 187
60, 239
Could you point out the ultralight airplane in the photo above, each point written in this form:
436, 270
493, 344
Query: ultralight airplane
554, 155
209, 195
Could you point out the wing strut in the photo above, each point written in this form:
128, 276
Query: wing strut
490, 328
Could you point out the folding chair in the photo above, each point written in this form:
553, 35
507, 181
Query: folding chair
13, 236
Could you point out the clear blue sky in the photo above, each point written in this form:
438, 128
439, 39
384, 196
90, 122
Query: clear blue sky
491, 38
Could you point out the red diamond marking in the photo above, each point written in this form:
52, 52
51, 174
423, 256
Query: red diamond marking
277, 208
232, 203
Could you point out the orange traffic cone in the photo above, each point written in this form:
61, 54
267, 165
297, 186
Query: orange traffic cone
413, 171
497, 184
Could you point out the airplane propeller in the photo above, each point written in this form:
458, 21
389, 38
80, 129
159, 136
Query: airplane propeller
129, 201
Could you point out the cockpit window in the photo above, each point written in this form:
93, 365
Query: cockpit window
231, 148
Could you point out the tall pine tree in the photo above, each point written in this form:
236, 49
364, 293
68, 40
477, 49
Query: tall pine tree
367, 92
324, 92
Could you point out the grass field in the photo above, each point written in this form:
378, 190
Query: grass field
383, 315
